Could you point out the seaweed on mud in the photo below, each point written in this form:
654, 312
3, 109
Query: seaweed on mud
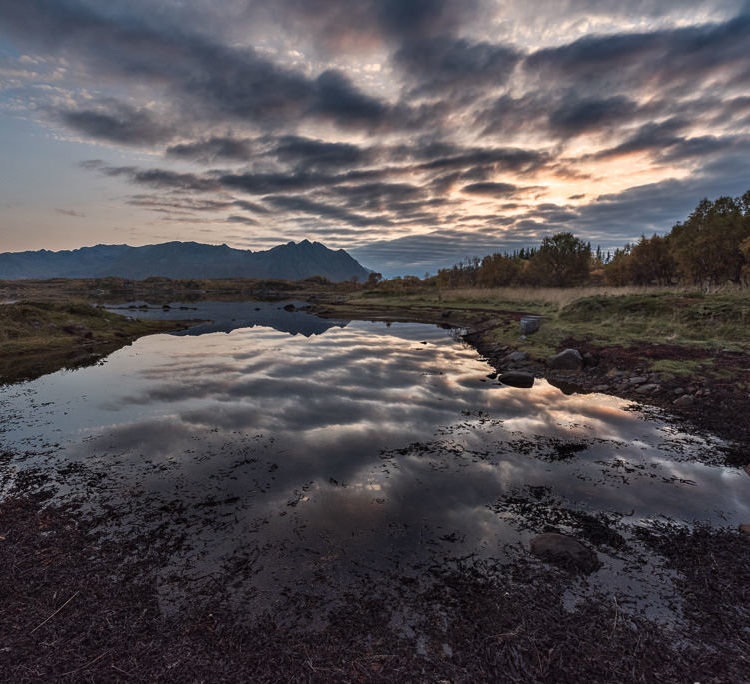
77, 607
535, 509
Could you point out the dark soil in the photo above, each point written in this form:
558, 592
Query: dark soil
79, 609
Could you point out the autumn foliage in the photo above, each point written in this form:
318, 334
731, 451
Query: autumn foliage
710, 248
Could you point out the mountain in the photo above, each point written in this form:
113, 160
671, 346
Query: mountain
292, 261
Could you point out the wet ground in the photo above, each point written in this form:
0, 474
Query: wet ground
295, 474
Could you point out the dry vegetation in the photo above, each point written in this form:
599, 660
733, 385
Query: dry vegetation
40, 337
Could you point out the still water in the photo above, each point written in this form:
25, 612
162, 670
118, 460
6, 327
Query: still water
275, 453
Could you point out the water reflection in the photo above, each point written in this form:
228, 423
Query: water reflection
285, 316
273, 462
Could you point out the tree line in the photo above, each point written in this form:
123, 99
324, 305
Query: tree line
710, 248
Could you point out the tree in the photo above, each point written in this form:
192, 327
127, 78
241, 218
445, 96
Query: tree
562, 260
706, 247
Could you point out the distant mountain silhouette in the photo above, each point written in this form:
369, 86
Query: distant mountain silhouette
292, 261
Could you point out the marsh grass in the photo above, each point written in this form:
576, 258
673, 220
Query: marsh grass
625, 316
41, 337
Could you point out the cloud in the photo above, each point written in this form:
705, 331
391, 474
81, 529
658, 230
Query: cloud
70, 212
491, 189
118, 123
215, 148
449, 65
662, 58
398, 123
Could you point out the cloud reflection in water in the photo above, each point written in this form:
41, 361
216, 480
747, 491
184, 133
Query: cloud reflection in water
360, 450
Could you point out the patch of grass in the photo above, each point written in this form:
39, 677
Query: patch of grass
601, 316
40, 337
674, 368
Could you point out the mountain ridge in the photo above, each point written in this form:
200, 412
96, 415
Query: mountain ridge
176, 259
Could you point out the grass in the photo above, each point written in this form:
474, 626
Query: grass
40, 337
537, 300
677, 368
602, 316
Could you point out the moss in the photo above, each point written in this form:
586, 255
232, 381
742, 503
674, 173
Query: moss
673, 368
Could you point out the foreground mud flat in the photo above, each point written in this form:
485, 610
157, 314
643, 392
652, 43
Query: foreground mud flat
172, 542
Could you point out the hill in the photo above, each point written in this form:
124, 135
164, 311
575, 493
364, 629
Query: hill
292, 261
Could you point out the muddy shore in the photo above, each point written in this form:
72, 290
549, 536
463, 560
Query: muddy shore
78, 608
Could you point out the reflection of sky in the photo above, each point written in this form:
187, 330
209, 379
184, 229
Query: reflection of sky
228, 316
363, 447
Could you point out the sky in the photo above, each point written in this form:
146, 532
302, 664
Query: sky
412, 133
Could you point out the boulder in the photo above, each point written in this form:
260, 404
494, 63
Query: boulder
684, 400
566, 552
647, 389
568, 359
530, 324
517, 379
637, 380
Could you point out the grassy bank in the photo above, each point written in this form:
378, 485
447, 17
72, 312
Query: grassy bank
41, 337
602, 316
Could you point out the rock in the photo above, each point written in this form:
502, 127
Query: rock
530, 324
600, 388
516, 357
747, 468
290, 307
745, 529
565, 551
445, 313
647, 389
637, 380
568, 359
590, 359
684, 400
517, 379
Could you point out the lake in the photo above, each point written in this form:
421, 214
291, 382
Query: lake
270, 454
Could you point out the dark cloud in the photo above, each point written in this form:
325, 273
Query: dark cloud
500, 159
204, 79
345, 26
156, 178
446, 64
670, 57
324, 211
245, 220
318, 154
581, 116
70, 212
118, 123
208, 151
251, 206
378, 196
491, 189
